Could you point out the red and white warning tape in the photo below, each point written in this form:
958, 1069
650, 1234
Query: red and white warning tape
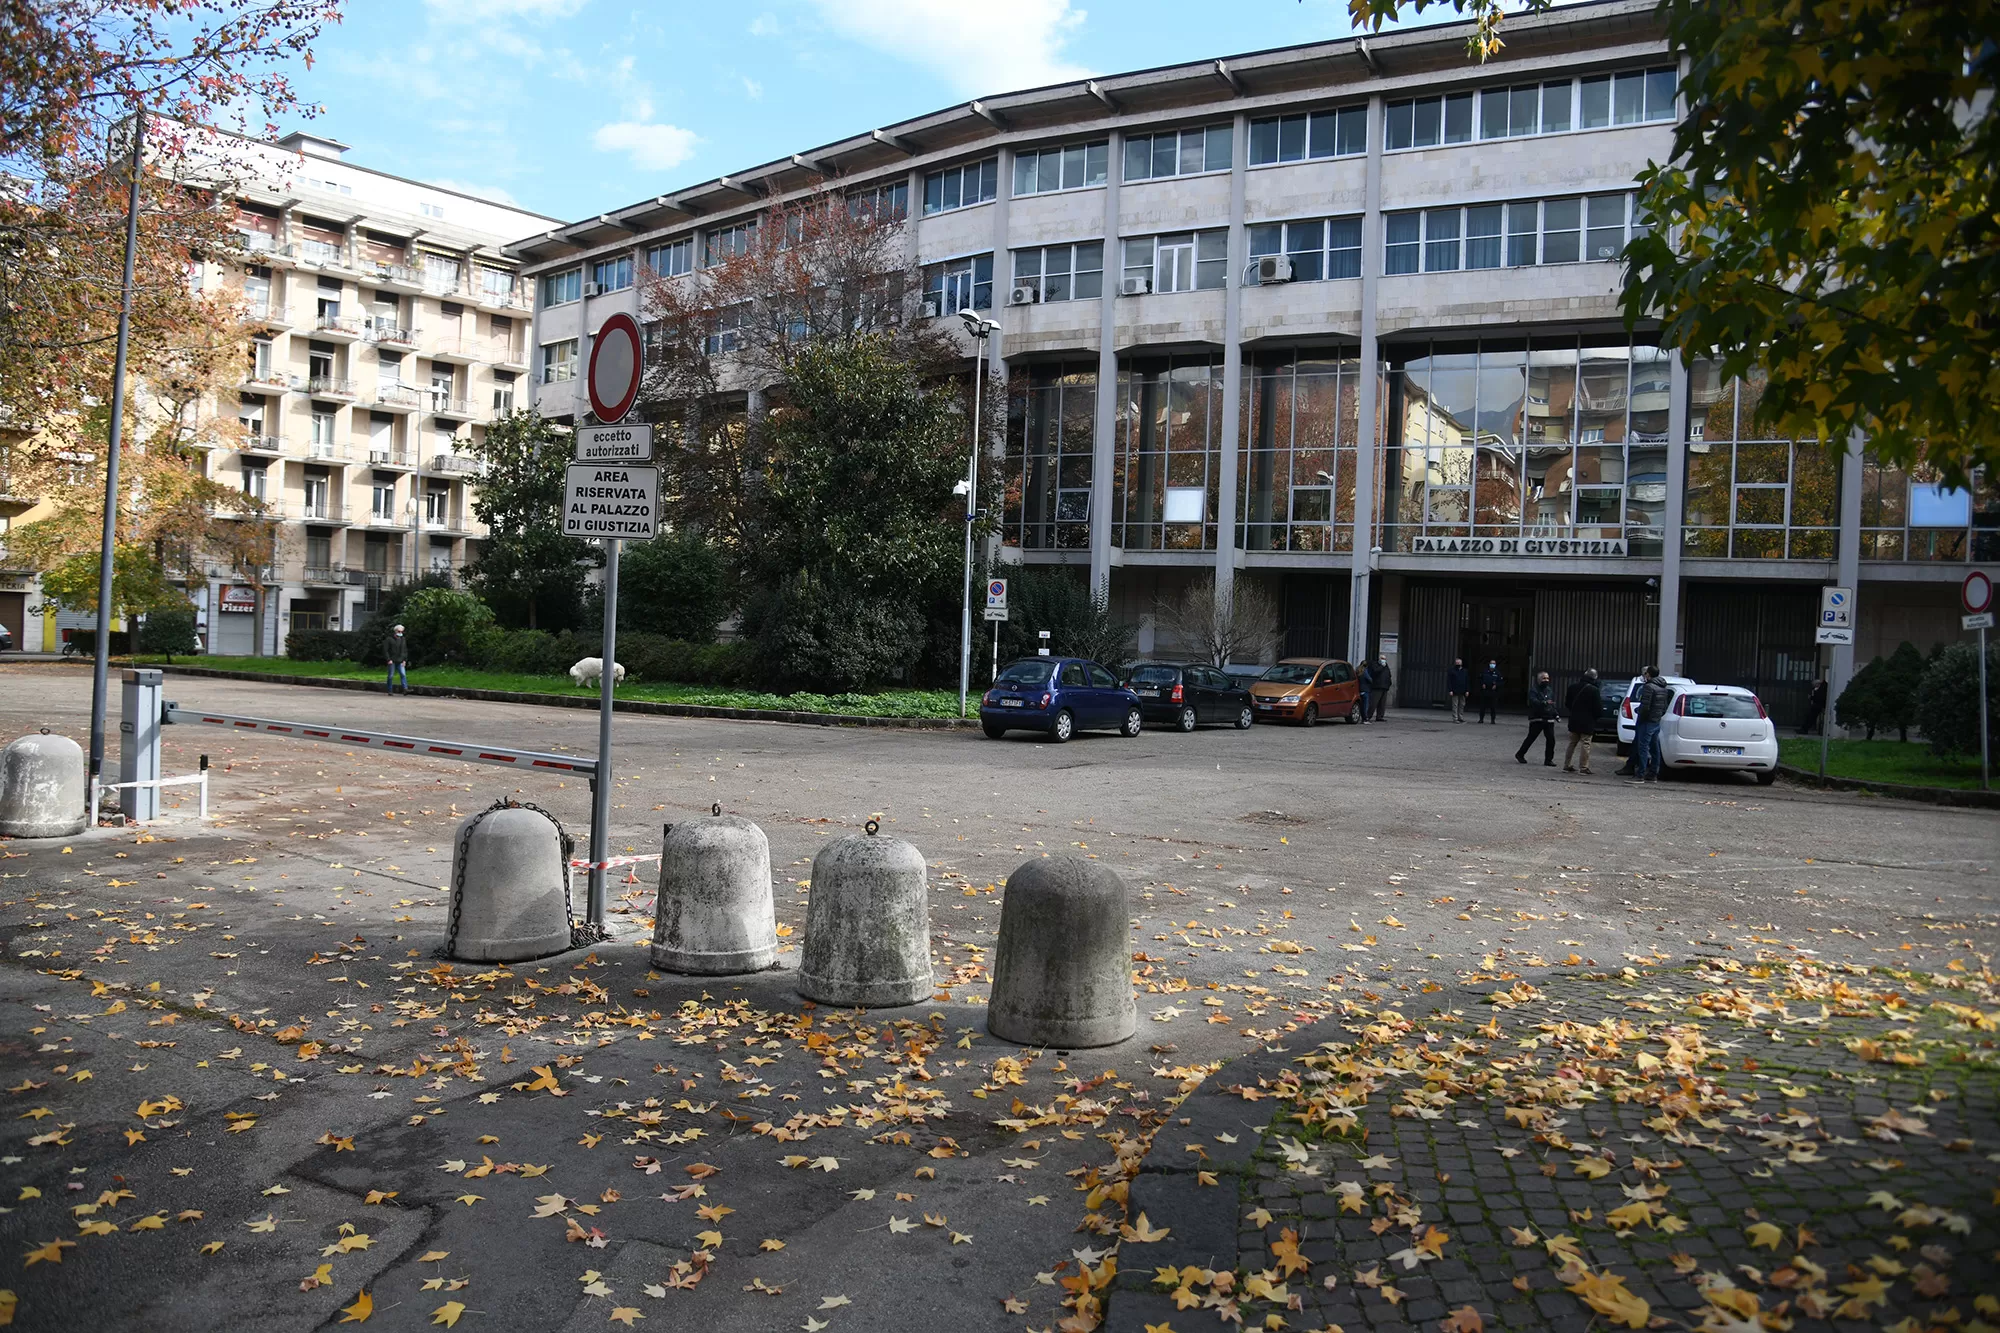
614, 861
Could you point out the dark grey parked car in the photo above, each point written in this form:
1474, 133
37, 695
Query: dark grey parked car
1185, 695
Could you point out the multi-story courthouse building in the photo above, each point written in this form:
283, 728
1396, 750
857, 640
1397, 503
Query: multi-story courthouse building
1344, 319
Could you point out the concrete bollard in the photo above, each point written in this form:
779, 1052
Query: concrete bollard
42, 791
868, 924
1062, 971
509, 887
714, 916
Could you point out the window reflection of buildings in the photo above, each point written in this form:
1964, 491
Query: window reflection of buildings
1301, 425
1050, 429
1549, 439
1750, 497
1169, 410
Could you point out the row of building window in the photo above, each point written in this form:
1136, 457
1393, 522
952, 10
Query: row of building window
1512, 235
1590, 103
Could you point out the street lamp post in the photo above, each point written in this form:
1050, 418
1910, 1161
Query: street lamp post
980, 329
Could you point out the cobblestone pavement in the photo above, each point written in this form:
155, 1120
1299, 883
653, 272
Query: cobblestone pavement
1730, 1145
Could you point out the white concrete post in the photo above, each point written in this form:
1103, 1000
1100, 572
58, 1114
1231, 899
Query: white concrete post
1232, 365
1366, 484
1105, 426
139, 742
1668, 654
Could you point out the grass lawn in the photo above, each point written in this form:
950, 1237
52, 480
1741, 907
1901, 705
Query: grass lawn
1910, 763
889, 703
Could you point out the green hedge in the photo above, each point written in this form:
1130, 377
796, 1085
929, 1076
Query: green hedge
655, 657
86, 642
322, 645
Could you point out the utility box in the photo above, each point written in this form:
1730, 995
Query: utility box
139, 742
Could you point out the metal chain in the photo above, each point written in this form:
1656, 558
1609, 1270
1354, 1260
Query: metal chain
577, 934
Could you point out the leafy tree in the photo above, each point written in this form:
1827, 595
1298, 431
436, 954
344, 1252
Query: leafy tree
1831, 212
444, 625
814, 635
674, 585
1882, 696
137, 583
169, 631
864, 459
388, 612
1947, 703
1079, 623
527, 571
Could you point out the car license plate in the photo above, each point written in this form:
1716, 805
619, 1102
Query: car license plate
1010, 703
1722, 749
1267, 707
1150, 694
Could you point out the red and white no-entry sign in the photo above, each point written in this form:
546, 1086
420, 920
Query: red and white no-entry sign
613, 377
1976, 593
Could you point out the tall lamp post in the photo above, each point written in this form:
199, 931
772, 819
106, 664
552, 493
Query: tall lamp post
980, 329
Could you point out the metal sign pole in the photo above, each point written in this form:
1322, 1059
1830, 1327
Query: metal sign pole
1985, 759
1825, 730
600, 787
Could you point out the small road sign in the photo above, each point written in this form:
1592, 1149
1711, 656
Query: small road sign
1977, 620
611, 500
996, 594
1976, 593
613, 378
996, 613
1836, 615
614, 444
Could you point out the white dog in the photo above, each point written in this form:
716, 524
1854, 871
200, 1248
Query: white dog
592, 669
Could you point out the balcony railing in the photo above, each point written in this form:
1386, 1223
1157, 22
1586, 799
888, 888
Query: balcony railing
266, 377
318, 511
457, 464
389, 457
257, 242
330, 385
388, 335
444, 405
398, 273
397, 395
338, 324
262, 444
321, 252
325, 452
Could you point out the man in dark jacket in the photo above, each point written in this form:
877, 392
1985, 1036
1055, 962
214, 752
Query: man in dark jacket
1458, 684
1542, 715
1655, 697
1585, 705
396, 649
1379, 689
1815, 708
1489, 693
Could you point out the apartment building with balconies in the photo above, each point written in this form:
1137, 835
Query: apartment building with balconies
384, 329
1344, 319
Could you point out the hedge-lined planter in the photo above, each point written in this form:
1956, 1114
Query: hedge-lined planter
1964, 796
588, 701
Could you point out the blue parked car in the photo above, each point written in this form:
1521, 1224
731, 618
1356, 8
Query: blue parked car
1060, 696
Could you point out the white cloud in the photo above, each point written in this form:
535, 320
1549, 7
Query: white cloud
765, 25
751, 88
981, 46
650, 147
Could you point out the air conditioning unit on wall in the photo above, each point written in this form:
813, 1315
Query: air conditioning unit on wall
930, 310
1135, 286
1274, 268
1025, 294
592, 289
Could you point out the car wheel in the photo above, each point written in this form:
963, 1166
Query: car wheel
1354, 715
1767, 777
1063, 728
1311, 719
1134, 722
1186, 720
1243, 718
993, 733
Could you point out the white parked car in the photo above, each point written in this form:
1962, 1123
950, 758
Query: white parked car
1628, 712
1719, 726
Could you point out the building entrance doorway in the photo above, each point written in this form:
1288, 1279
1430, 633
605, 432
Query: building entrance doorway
1498, 627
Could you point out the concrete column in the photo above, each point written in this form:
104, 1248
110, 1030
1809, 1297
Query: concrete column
1103, 443
1232, 363
1366, 484
1668, 653
995, 395
1848, 573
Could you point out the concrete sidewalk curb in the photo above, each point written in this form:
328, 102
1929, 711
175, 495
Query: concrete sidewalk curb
1959, 796
584, 701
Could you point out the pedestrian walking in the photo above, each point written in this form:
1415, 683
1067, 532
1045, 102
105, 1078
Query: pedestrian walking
396, 649
1655, 697
1384, 678
1542, 715
1584, 706
1365, 678
1458, 684
1815, 709
1489, 693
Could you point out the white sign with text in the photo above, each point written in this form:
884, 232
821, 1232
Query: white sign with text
611, 500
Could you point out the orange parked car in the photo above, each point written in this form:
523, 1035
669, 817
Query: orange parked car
1307, 690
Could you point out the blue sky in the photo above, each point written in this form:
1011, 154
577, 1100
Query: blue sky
572, 107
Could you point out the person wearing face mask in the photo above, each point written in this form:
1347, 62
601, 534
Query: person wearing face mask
1489, 693
1458, 684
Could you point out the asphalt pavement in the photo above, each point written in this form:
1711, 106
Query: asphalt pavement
257, 1002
